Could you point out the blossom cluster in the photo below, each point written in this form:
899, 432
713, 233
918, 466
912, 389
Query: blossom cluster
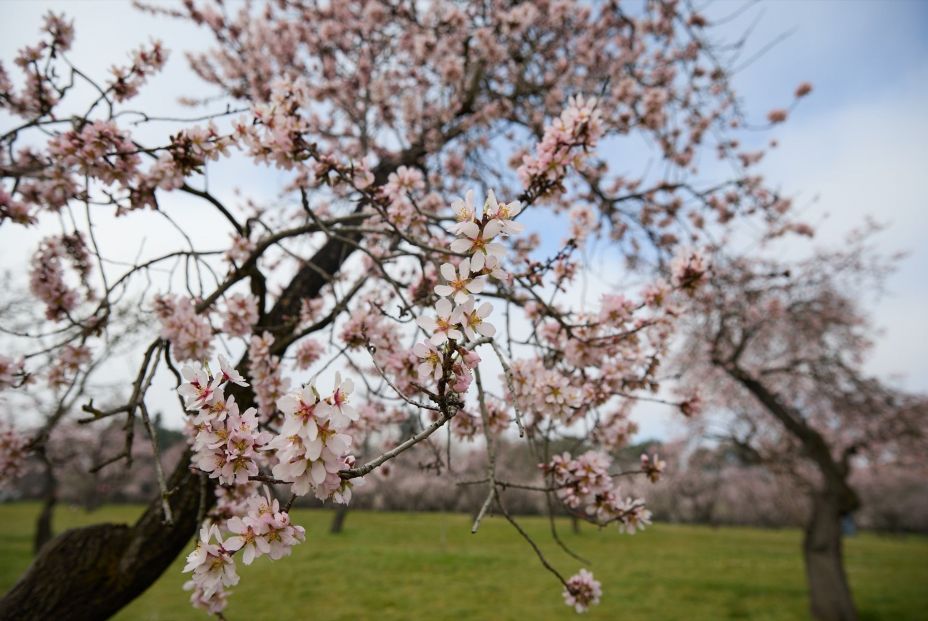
70, 360
466, 425
543, 393
213, 569
263, 530
585, 484
99, 149
47, 273
241, 314
127, 81
189, 333
12, 454
582, 591
230, 446
458, 317
579, 125
312, 447
226, 442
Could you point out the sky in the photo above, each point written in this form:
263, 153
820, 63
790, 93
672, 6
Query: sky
857, 147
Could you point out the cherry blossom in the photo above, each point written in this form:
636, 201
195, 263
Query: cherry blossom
460, 283
504, 213
211, 563
13, 451
653, 467
241, 315
444, 325
472, 319
431, 365
582, 591
477, 243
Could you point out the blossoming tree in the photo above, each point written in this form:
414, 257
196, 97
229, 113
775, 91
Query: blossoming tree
417, 143
780, 348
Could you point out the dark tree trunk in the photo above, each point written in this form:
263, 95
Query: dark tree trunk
43, 524
90, 573
338, 520
829, 593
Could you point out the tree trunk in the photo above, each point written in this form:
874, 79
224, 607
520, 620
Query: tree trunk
90, 573
829, 594
338, 520
43, 524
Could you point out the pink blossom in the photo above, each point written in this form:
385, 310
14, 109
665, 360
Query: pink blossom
653, 467
190, 334
13, 452
211, 563
444, 325
241, 314
582, 591
460, 284
431, 365
309, 351
472, 319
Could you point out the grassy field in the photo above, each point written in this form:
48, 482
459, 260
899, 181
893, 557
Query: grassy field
428, 566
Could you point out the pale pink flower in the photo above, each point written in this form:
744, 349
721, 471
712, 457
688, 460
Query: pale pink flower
340, 412
228, 373
197, 389
308, 352
472, 319
241, 314
477, 243
211, 564
582, 591
464, 212
652, 467
444, 325
504, 213
431, 365
460, 284
634, 516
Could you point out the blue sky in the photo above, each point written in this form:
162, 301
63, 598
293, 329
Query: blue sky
857, 146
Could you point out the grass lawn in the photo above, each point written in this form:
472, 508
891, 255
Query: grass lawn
428, 566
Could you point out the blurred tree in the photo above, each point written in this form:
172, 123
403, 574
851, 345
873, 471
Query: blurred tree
780, 348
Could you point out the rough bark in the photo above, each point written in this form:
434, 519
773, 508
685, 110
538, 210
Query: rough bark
90, 573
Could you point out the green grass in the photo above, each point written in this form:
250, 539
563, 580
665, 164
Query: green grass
428, 566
